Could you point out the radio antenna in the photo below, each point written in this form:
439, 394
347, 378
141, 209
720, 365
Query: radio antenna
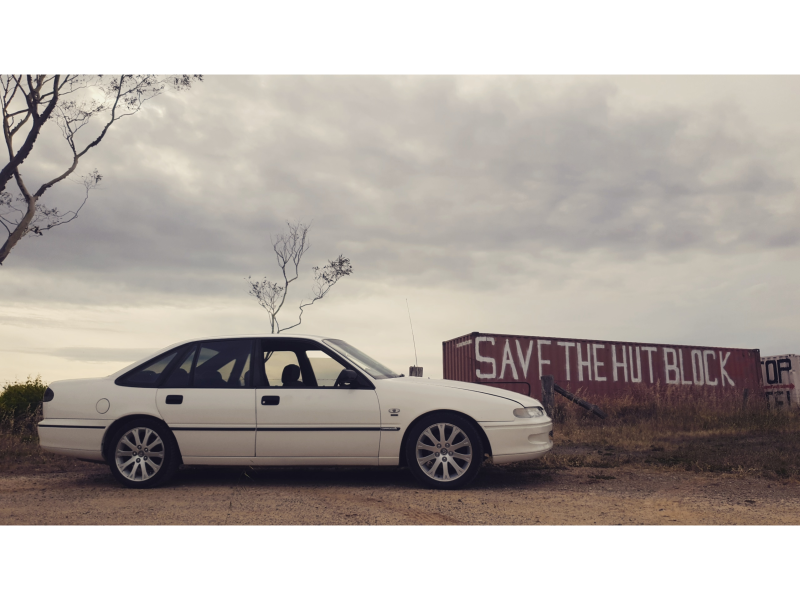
412, 333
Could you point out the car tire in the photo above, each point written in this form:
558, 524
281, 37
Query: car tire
453, 449
143, 453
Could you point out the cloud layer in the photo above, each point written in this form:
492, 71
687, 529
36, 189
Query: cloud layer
503, 196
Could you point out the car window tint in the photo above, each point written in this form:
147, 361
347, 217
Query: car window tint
223, 364
375, 369
179, 378
280, 362
147, 375
246, 377
326, 370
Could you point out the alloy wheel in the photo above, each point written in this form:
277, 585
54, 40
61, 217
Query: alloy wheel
139, 454
444, 452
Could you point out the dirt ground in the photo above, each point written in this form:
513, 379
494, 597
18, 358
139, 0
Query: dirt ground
518, 494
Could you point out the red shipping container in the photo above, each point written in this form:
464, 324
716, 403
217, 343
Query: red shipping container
596, 367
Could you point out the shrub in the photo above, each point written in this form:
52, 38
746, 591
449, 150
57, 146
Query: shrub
20, 398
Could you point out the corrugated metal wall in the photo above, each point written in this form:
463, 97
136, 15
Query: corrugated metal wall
458, 358
597, 367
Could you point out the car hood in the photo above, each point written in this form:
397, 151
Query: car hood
520, 399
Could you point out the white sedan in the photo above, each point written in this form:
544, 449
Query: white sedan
286, 400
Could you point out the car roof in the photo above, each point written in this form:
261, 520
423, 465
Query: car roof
258, 335
218, 337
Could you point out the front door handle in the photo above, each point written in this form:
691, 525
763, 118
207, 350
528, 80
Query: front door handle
174, 399
270, 400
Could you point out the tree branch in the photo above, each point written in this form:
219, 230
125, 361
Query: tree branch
56, 218
324, 280
111, 120
43, 97
3, 223
46, 186
20, 124
300, 319
16, 159
290, 248
22, 227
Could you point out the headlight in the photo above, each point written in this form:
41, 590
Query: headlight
529, 412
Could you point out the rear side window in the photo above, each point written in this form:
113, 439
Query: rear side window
224, 364
179, 378
147, 374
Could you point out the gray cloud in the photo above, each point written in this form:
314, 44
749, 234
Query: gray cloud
460, 185
415, 174
92, 354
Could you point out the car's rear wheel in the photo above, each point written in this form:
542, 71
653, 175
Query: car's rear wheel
143, 454
444, 451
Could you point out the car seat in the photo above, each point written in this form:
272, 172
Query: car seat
209, 379
291, 377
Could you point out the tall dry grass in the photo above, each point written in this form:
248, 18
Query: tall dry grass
21, 423
19, 442
679, 428
20, 452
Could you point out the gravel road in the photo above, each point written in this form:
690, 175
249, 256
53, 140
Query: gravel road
518, 494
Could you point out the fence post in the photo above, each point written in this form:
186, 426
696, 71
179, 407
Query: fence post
548, 396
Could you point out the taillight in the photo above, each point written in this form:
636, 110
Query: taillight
48, 395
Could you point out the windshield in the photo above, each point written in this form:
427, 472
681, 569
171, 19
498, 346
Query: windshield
370, 365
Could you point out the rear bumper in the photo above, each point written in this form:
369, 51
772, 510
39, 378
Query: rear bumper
516, 441
79, 438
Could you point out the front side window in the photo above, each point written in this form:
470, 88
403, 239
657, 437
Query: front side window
326, 370
300, 364
370, 365
223, 364
282, 368
147, 375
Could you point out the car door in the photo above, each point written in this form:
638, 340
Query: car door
208, 400
302, 413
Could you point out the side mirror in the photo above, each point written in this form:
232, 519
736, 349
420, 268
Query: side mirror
347, 376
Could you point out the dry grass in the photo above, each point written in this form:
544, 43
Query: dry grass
676, 428
19, 447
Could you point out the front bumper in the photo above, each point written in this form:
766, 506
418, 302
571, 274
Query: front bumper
519, 440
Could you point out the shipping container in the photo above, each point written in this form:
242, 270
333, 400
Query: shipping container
780, 380
596, 367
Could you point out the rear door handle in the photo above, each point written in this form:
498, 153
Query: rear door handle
174, 399
270, 400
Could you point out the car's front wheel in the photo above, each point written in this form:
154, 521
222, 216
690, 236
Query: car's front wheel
143, 454
444, 451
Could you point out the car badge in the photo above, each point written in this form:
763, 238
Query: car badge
394, 411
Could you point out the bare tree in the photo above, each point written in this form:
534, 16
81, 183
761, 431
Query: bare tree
289, 250
72, 102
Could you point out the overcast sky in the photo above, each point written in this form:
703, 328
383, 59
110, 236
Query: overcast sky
647, 209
